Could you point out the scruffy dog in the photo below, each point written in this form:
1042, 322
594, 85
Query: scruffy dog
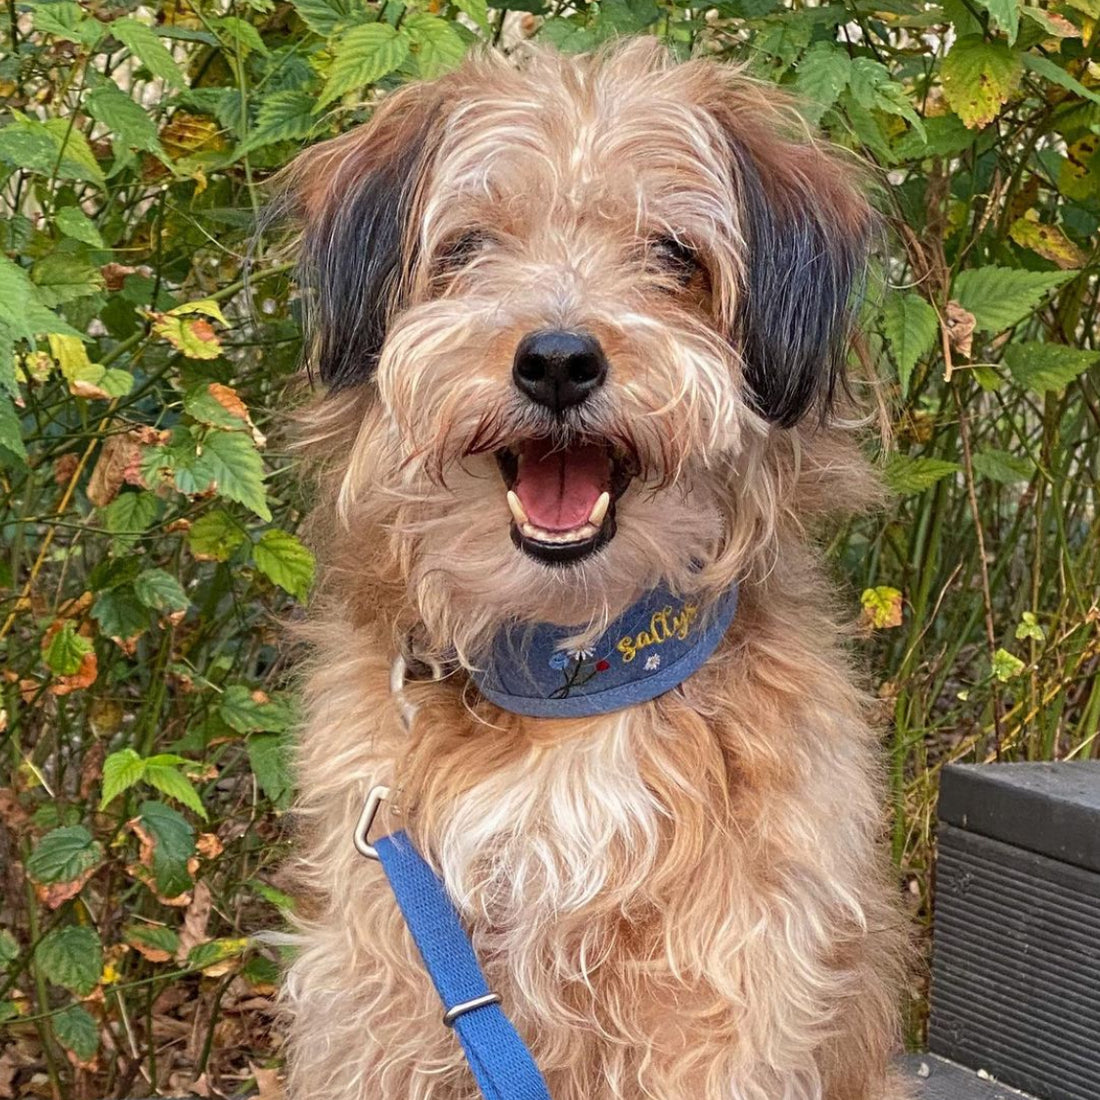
581, 321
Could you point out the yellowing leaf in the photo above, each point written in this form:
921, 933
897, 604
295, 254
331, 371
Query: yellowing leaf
1006, 665
979, 77
881, 608
189, 134
70, 354
1046, 240
221, 407
206, 306
1029, 628
193, 336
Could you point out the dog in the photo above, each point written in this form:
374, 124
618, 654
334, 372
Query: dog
581, 324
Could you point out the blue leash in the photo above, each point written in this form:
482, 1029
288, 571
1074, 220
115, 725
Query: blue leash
501, 1063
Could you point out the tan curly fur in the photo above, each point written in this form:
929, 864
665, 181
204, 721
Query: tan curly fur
682, 899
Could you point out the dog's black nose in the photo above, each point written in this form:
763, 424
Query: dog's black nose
559, 369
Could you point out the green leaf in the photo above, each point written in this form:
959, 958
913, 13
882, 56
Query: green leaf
77, 1031
131, 513
21, 308
50, 148
362, 56
120, 613
1048, 70
63, 855
285, 561
144, 42
173, 845
907, 475
477, 10
66, 650
1000, 297
1042, 367
121, 771
74, 223
284, 116
34, 146
152, 940
65, 19
130, 122
269, 755
910, 325
231, 462
1002, 466
1006, 665
822, 75
1005, 14
622, 17
249, 711
71, 957
175, 784
215, 535
1029, 627
160, 591
9, 947
62, 277
437, 46
979, 77
11, 430
241, 37
77, 158
945, 136
874, 90
320, 16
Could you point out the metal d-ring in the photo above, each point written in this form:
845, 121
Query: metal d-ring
374, 800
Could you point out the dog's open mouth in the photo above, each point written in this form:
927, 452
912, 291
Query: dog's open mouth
562, 497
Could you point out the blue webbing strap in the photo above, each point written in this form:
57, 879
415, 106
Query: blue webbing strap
501, 1063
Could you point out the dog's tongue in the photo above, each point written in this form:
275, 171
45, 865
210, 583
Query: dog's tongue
559, 488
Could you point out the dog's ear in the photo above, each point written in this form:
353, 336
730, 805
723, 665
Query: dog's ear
807, 227
355, 198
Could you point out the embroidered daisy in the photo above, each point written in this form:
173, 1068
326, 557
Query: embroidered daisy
559, 659
580, 654
652, 662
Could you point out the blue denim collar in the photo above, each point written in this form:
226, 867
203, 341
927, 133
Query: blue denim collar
655, 645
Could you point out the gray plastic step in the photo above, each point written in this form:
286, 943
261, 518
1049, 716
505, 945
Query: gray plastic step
935, 1078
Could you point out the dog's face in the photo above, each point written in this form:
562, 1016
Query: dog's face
574, 302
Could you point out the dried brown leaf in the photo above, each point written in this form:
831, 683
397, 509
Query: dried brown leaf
960, 328
195, 920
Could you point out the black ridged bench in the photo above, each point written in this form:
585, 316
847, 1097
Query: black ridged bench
1016, 948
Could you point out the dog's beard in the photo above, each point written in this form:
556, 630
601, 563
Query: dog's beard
500, 509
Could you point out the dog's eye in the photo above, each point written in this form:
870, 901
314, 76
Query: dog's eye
462, 250
672, 257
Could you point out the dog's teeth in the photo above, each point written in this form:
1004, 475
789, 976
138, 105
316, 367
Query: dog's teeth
599, 509
518, 514
559, 538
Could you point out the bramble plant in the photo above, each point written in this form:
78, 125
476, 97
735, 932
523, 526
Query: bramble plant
150, 505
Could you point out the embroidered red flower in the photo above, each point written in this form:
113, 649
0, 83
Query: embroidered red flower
602, 666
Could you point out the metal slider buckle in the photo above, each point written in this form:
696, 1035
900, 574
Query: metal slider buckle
453, 1014
371, 806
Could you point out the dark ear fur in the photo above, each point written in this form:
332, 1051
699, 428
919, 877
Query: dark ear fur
795, 320
807, 226
356, 197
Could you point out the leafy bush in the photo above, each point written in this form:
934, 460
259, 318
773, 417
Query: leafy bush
148, 527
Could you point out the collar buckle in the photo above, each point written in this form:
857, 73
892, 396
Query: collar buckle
375, 798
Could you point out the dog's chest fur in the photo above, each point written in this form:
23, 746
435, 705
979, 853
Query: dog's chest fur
555, 831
